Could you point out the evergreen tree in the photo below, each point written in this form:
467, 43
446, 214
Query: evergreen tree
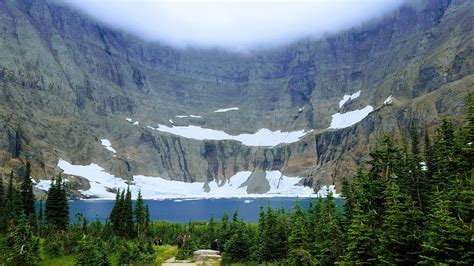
237, 249
91, 252
328, 243
211, 234
128, 214
13, 200
115, 215
298, 239
22, 246
57, 208
259, 238
361, 240
140, 214
447, 240
399, 238
224, 231
26, 193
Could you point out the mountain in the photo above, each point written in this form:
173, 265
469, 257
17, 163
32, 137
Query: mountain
76, 92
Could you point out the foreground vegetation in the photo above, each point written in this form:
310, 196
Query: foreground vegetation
404, 206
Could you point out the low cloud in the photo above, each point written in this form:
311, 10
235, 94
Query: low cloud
233, 25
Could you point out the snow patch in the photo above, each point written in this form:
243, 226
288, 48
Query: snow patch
136, 123
129, 119
263, 137
192, 116
171, 121
325, 190
347, 97
106, 143
389, 100
349, 118
226, 110
103, 185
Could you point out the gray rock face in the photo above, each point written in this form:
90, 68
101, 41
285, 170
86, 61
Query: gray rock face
257, 183
66, 82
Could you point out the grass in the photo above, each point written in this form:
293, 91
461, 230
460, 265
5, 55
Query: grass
59, 261
164, 252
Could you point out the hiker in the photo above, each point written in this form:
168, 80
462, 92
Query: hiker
214, 245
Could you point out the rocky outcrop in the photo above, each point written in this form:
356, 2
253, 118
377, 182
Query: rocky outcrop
67, 81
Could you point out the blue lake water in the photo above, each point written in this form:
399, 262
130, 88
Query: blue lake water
182, 211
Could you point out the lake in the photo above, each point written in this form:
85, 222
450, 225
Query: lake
184, 210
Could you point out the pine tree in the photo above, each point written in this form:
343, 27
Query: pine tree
399, 238
13, 200
447, 240
22, 246
224, 231
237, 249
211, 231
259, 238
361, 240
140, 214
57, 207
26, 193
328, 243
298, 240
128, 215
298, 236
115, 214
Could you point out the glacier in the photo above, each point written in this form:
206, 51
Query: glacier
263, 137
103, 185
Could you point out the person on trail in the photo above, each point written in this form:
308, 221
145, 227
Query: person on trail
181, 240
214, 245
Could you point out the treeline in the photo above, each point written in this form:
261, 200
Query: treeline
408, 204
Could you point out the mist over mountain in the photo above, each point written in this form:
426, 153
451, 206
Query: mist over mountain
235, 25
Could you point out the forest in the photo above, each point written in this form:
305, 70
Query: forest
410, 203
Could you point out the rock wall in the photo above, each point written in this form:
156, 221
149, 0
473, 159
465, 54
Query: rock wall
67, 81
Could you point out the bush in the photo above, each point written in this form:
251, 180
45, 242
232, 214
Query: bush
91, 252
54, 246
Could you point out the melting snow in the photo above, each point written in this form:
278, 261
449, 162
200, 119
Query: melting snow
192, 116
106, 143
349, 118
389, 100
102, 184
346, 98
324, 191
226, 110
263, 137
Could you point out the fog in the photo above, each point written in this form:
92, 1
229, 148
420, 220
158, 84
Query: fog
233, 25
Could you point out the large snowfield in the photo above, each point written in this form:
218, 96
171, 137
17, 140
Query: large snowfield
102, 185
348, 119
263, 137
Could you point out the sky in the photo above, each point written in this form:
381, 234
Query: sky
237, 25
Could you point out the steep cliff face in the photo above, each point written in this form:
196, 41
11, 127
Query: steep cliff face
67, 82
